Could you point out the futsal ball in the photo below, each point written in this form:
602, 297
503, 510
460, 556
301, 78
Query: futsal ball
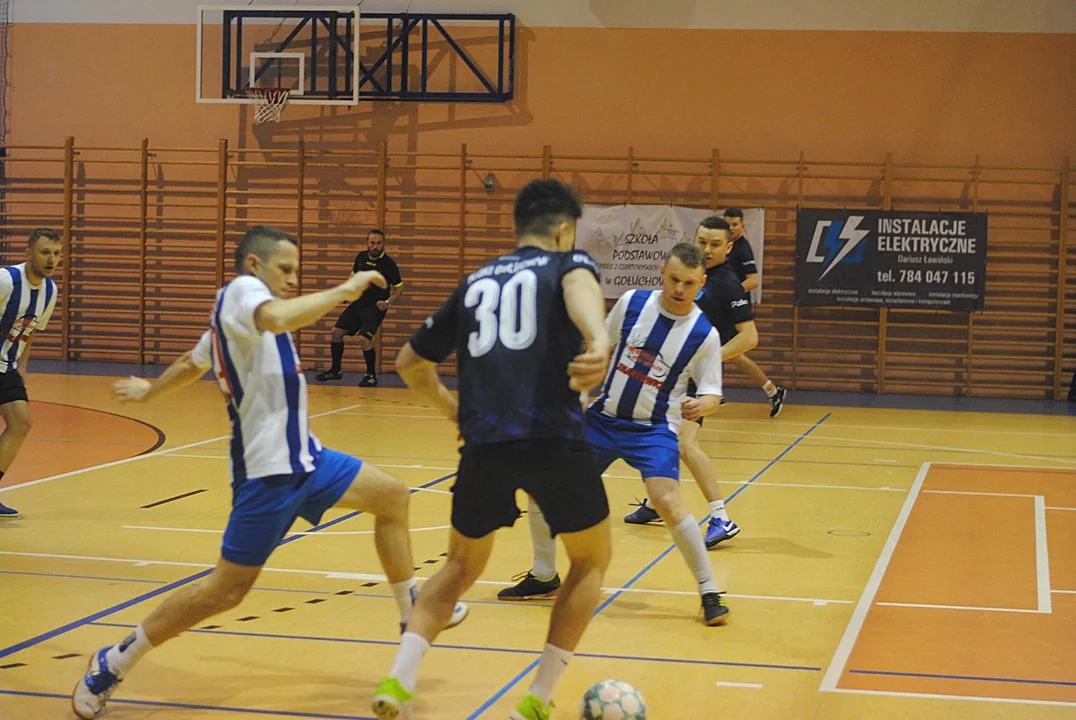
612, 700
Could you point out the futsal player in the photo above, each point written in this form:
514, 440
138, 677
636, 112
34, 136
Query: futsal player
742, 261
517, 325
27, 296
665, 341
728, 307
280, 471
364, 316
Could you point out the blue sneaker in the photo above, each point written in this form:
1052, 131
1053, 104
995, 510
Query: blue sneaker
96, 686
6, 513
644, 515
718, 531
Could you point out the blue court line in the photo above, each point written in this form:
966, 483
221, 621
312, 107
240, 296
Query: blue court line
485, 648
500, 693
1022, 681
190, 706
37, 639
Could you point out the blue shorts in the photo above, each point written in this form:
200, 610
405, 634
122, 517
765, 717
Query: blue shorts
263, 509
653, 450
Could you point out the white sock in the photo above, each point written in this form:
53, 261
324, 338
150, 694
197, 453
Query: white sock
406, 593
121, 658
769, 388
717, 510
412, 649
545, 547
552, 665
689, 542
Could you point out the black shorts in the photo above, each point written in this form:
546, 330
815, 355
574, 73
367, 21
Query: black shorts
693, 391
12, 387
560, 475
360, 320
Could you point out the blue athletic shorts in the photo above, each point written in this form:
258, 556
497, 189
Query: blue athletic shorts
263, 509
653, 450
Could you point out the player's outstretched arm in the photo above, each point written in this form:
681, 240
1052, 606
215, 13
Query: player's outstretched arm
586, 308
421, 376
179, 374
280, 316
745, 340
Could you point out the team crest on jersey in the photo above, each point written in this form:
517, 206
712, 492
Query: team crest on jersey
22, 329
649, 358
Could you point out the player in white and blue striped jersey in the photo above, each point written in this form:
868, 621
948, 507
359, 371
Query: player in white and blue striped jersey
665, 340
27, 298
280, 471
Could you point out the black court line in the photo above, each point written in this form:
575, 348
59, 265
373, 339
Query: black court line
38, 639
174, 497
160, 433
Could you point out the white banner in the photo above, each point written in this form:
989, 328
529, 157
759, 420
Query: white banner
630, 242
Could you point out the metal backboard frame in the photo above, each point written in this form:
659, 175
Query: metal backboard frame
303, 15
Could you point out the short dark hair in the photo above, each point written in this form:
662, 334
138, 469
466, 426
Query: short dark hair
715, 222
261, 240
542, 205
734, 212
375, 231
39, 233
687, 253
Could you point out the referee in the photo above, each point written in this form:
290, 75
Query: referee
364, 316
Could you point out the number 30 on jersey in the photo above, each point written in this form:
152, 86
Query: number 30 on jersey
508, 312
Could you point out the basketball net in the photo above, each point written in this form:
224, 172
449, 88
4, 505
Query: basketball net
268, 103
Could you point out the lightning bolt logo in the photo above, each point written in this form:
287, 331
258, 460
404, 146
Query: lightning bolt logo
852, 236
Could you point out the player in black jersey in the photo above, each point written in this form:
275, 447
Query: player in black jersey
364, 316
529, 335
728, 308
742, 260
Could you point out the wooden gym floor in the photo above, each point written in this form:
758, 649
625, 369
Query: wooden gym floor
893, 564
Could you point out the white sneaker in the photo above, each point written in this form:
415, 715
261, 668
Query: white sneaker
95, 688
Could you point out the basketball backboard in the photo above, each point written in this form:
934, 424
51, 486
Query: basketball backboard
310, 51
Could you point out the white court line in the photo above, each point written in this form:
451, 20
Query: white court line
960, 607
1049, 507
752, 686
341, 575
935, 696
916, 446
320, 533
883, 488
870, 591
1064, 592
971, 492
1042, 556
913, 428
157, 454
695, 593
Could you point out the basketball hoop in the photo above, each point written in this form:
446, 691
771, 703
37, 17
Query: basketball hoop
269, 102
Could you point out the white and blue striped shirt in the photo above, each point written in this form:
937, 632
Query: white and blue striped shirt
263, 384
657, 353
26, 308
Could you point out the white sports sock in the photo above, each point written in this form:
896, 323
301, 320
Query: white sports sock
406, 593
121, 658
769, 388
552, 665
412, 649
717, 510
545, 547
689, 542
